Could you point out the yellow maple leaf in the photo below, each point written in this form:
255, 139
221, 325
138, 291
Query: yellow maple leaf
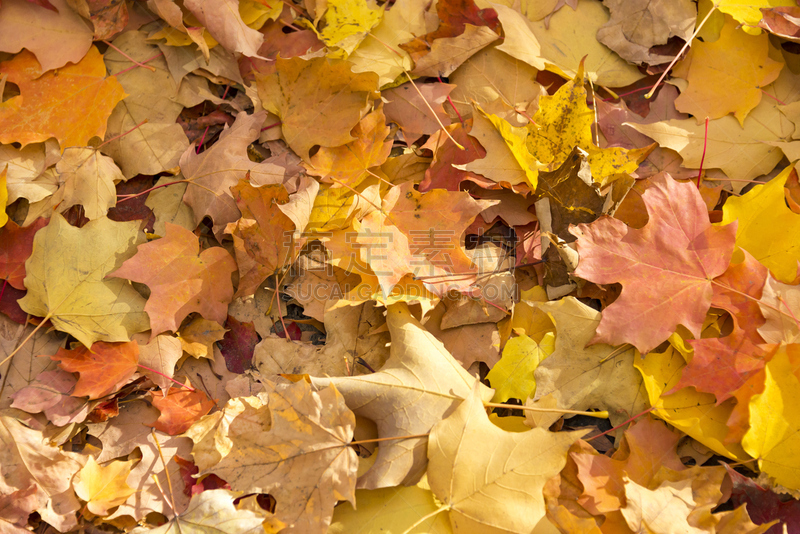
748, 12
726, 76
513, 375
563, 122
3, 197
761, 212
774, 434
103, 487
71, 104
347, 23
690, 411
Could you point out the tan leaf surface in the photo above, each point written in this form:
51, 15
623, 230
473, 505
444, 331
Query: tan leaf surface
157, 145
214, 171
86, 178
56, 37
161, 354
29, 460
148, 496
636, 27
211, 512
299, 455
223, 21
784, 297
448, 53
318, 101
419, 384
582, 377
482, 494
67, 269
19, 372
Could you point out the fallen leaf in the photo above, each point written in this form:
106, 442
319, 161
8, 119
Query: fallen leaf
72, 106
448, 53
464, 476
778, 301
735, 66
409, 109
180, 408
103, 487
418, 384
181, 279
636, 27
56, 36
348, 165
583, 377
295, 449
160, 356
237, 345
16, 245
390, 509
68, 267
141, 147
50, 394
774, 426
348, 22
224, 22
103, 367
301, 90
512, 376
211, 511
690, 254
766, 211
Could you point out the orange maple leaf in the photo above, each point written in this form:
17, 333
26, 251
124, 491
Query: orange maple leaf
180, 408
103, 369
182, 279
71, 104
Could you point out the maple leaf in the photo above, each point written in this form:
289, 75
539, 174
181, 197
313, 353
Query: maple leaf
182, 279
346, 23
654, 25
581, 377
418, 384
735, 66
103, 367
50, 394
224, 22
158, 359
398, 241
30, 460
774, 425
294, 448
156, 145
72, 106
463, 475
56, 36
180, 408
213, 172
399, 508
512, 376
103, 487
68, 266
684, 253
766, 211
16, 245
211, 511
300, 91
265, 229
350, 164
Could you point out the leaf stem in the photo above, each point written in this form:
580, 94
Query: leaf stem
140, 64
703, 157
599, 415
120, 135
129, 58
650, 409
165, 376
424, 518
680, 53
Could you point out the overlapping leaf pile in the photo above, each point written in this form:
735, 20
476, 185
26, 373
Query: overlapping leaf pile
276, 267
